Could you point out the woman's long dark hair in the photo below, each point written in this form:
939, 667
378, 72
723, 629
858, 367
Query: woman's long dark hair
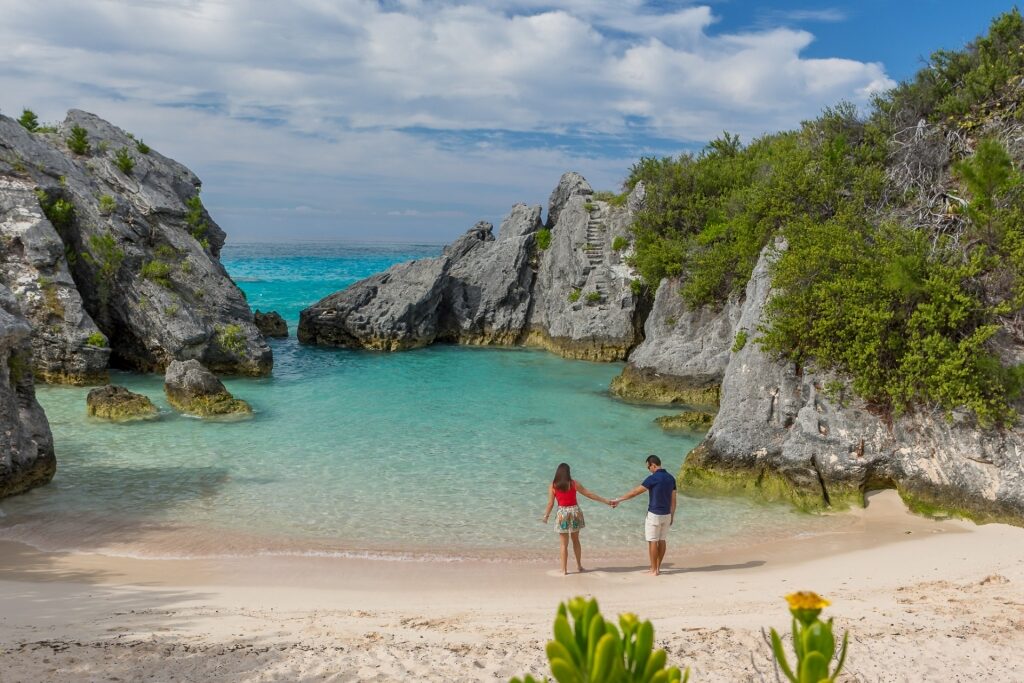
563, 478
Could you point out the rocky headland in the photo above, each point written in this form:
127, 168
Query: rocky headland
561, 285
107, 259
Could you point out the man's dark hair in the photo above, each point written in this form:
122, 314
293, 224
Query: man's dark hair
653, 460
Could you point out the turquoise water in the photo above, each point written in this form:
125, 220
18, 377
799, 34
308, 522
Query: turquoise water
444, 452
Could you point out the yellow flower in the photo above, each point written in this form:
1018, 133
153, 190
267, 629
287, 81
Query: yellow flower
808, 600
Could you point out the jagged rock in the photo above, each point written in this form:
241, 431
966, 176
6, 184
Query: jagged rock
67, 347
143, 259
116, 403
270, 324
780, 433
574, 298
193, 389
570, 185
487, 296
583, 303
683, 356
391, 311
637, 199
689, 421
26, 445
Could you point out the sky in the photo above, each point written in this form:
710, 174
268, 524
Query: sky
410, 120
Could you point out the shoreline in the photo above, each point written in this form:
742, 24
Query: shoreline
948, 596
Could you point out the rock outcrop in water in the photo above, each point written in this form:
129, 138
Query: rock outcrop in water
193, 389
113, 257
567, 291
779, 434
117, 404
26, 445
270, 324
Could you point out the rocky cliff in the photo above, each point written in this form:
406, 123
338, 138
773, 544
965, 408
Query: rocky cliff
787, 432
109, 250
563, 287
26, 446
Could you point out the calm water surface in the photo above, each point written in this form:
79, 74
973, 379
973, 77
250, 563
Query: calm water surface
438, 453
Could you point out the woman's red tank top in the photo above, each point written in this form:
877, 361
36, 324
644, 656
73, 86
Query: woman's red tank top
566, 498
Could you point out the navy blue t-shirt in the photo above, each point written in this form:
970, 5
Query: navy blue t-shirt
660, 486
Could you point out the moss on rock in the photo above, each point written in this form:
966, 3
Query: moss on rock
118, 404
211, 405
689, 421
643, 385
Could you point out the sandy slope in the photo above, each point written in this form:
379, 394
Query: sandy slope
924, 601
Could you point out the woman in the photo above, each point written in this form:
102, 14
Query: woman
569, 518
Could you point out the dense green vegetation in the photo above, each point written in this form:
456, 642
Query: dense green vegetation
908, 308
29, 120
78, 140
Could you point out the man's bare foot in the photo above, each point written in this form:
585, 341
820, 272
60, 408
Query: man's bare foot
580, 568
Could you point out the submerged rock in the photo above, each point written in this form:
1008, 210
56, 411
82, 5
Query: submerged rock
193, 389
689, 421
780, 435
270, 324
129, 236
116, 403
26, 444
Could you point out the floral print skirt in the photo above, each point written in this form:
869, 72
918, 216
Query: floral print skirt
569, 519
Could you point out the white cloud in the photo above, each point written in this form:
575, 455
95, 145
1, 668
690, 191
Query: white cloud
307, 103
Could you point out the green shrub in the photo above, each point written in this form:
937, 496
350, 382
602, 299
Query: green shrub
195, 220
593, 297
107, 205
543, 238
96, 339
612, 198
104, 255
29, 120
141, 147
575, 294
123, 160
172, 310
60, 212
157, 271
231, 338
619, 243
78, 141
592, 650
588, 206
740, 341
166, 252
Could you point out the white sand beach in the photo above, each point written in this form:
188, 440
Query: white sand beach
923, 600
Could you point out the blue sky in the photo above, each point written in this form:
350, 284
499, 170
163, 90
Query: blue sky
409, 120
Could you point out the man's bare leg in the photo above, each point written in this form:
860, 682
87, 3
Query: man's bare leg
662, 547
652, 550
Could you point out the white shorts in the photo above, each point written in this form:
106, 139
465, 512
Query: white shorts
656, 526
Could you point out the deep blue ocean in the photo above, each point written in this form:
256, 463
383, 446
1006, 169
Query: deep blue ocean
441, 453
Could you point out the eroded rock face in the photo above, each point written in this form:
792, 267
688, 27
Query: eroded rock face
779, 434
117, 404
193, 389
572, 297
26, 445
683, 356
270, 324
140, 248
67, 347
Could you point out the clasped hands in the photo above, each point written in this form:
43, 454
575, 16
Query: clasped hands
614, 502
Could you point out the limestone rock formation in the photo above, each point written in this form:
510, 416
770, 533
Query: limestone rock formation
780, 434
683, 356
693, 421
573, 297
26, 445
193, 389
270, 324
116, 403
140, 248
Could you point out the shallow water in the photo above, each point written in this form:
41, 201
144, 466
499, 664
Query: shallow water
443, 452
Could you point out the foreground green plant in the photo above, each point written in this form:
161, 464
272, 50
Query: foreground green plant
29, 120
123, 160
813, 642
592, 650
78, 141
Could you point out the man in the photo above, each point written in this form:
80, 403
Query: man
661, 509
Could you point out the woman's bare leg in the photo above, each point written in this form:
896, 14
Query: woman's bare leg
577, 549
564, 538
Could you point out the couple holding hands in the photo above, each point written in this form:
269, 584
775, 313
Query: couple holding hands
661, 510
